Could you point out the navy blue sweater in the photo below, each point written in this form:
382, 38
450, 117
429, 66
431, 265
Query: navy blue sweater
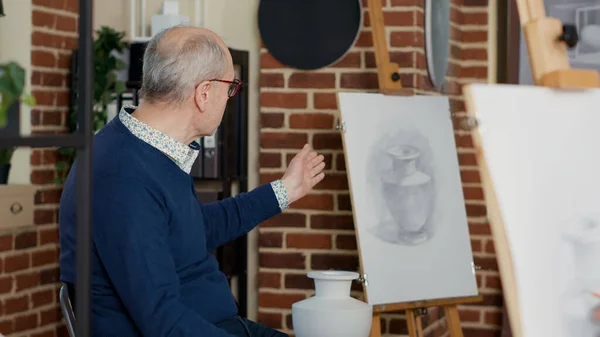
152, 270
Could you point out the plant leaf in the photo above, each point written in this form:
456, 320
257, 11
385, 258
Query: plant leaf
3, 117
121, 65
120, 87
29, 100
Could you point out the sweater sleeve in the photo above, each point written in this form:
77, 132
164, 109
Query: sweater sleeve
130, 235
227, 219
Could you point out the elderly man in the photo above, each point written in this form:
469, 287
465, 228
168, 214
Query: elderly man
152, 270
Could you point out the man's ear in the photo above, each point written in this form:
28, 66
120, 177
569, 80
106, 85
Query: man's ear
202, 94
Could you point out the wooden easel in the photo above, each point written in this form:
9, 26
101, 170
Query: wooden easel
547, 40
547, 45
390, 84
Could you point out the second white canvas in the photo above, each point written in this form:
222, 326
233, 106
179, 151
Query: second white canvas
407, 197
541, 147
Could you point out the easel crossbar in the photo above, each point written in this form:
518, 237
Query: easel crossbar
426, 304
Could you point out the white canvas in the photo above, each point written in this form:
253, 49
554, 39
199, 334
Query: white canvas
412, 227
541, 147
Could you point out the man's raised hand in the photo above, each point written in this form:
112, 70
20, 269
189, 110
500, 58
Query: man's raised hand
303, 173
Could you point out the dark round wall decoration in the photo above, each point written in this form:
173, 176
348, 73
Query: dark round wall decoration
309, 34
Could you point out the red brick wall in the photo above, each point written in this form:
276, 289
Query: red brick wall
318, 231
29, 279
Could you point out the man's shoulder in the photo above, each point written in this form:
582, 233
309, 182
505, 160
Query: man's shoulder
115, 152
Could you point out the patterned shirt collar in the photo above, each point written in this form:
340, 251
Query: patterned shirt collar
183, 155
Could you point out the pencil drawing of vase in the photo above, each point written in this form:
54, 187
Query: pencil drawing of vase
581, 299
407, 191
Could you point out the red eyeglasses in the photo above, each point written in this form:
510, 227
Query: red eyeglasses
234, 86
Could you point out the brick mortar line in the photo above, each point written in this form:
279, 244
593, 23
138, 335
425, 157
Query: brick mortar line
461, 132
34, 249
389, 8
434, 325
302, 230
469, 63
478, 220
31, 311
467, 80
481, 45
61, 71
282, 90
309, 212
50, 88
475, 202
460, 114
278, 291
469, 9
285, 291
29, 291
276, 310
388, 29
55, 31
469, 28
306, 250
481, 236
371, 48
285, 152
46, 227
391, 29
287, 72
45, 88
48, 108
479, 326
43, 167
46, 206
46, 128
356, 48
47, 187
44, 328
484, 255
55, 50
472, 45
62, 12
333, 250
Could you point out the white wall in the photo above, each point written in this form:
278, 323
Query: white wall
236, 22
15, 45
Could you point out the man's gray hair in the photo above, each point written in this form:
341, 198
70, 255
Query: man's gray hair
171, 72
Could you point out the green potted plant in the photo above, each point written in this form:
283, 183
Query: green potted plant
12, 84
106, 86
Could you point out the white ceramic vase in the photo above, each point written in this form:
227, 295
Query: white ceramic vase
332, 312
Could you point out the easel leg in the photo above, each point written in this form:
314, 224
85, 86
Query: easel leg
410, 322
453, 321
375, 326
